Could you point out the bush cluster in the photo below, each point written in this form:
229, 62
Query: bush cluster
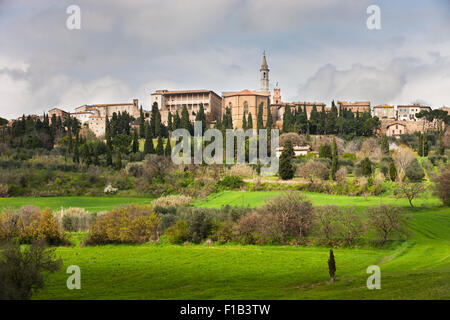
30, 224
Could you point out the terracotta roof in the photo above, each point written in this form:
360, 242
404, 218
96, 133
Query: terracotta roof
391, 124
246, 92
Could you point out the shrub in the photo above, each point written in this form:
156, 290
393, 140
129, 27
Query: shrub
172, 201
241, 170
229, 183
341, 175
4, 190
295, 138
24, 272
29, 224
325, 151
443, 186
313, 170
75, 219
247, 230
131, 224
366, 167
349, 156
414, 172
179, 233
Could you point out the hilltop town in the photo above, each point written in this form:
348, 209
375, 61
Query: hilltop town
394, 120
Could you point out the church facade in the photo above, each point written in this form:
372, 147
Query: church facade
248, 102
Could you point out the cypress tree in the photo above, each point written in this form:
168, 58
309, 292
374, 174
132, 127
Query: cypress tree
420, 144
141, 123
286, 169
168, 148
334, 160
148, 145
441, 147
250, 121
269, 122
425, 144
176, 121
332, 266
392, 171
185, 123
135, 146
385, 145
169, 122
119, 161
259, 120
76, 152
160, 147
244, 122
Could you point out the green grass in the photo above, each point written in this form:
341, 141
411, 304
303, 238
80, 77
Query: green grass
418, 268
91, 204
257, 198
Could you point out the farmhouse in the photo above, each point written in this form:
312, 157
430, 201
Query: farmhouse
298, 151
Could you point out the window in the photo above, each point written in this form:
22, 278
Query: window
245, 108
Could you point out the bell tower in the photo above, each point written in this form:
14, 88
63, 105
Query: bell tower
264, 72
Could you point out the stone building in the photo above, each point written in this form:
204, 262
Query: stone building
58, 113
384, 112
94, 115
408, 112
396, 129
174, 101
358, 106
245, 102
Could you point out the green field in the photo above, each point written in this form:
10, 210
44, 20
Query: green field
257, 198
91, 204
418, 268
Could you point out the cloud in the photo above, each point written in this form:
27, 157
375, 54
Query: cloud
403, 80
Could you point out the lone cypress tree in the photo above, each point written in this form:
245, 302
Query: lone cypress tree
332, 266
168, 149
334, 160
160, 147
286, 169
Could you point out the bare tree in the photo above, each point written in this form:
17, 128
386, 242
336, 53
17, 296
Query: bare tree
292, 213
409, 190
351, 225
402, 157
327, 220
387, 220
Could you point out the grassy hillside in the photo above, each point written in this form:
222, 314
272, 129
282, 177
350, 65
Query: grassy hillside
92, 204
257, 198
416, 269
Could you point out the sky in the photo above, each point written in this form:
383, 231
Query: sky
316, 51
